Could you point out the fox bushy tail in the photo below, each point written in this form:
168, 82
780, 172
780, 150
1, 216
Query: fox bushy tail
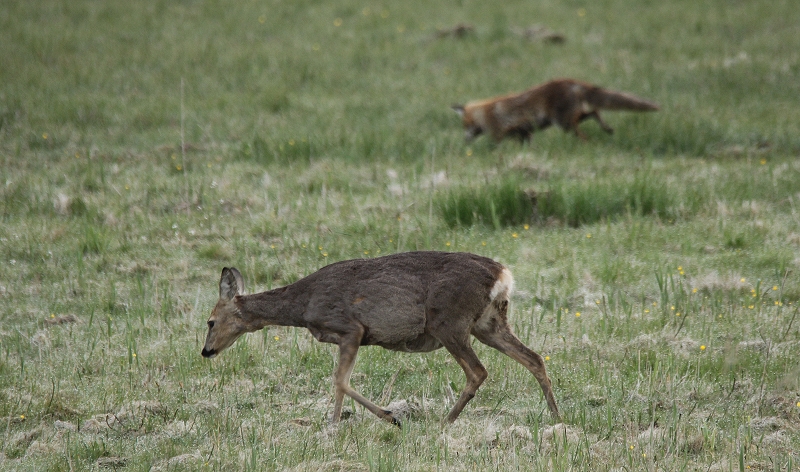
611, 100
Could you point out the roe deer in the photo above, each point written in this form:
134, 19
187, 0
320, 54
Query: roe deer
410, 302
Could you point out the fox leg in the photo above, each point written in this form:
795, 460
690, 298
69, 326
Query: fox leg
569, 122
596, 115
577, 130
521, 133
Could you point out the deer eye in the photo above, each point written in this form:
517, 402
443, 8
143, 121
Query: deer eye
210, 324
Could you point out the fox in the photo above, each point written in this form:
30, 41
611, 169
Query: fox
564, 102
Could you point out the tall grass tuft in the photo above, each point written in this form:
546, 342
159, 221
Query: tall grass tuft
498, 205
580, 203
573, 203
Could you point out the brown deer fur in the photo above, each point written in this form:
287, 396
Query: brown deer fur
410, 302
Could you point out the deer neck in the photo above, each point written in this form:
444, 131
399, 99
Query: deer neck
283, 306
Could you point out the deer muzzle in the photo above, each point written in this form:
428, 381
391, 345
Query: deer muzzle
208, 353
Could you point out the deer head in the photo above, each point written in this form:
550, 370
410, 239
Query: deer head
226, 323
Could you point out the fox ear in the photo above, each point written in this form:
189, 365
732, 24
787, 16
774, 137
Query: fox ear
230, 284
458, 109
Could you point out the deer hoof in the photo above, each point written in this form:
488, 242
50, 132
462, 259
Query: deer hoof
392, 419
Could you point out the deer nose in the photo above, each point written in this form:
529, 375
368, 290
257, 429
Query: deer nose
208, 353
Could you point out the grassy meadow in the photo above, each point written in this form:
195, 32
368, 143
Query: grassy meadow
146, 145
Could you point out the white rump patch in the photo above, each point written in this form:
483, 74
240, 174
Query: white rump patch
503, 286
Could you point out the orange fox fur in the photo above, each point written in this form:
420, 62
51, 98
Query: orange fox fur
564, 102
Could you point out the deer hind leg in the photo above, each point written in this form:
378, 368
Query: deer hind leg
494, 331
348, 348
474, 370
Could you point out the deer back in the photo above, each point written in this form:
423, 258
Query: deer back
395, 298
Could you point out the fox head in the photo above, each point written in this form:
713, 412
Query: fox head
226, 323
471, 128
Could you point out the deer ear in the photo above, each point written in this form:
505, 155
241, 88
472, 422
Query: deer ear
230, 284
458, 109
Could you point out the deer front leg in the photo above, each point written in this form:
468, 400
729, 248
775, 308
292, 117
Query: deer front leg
348, 348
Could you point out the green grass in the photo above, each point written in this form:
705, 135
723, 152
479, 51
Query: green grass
585, 203
499, 205
146, 145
